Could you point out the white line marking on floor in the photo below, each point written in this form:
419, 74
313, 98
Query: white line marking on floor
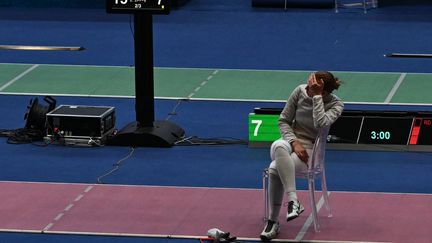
58, 216
309, 220
20, 231
79, 198
68, 207
395, 88
202, 84
88, 189
197, 237
206, 188
71, 205
48, 227
18, 77
221, 69
200, 99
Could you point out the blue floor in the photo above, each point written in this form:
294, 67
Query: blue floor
230, 35
235, 166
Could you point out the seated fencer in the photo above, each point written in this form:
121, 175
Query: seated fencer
309, 107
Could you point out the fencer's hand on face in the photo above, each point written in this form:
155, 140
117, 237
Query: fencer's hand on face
315, 85
300, 151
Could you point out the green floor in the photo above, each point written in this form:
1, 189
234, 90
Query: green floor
253, 85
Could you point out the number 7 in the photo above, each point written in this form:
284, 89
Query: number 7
258, 124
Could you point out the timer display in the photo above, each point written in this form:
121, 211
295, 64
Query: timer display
138, 6
383, 135
386, 130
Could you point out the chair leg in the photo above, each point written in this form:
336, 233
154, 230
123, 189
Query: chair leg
364, 6
336, 3
311, 185
285, 7
369, 4
266, 195
325, 194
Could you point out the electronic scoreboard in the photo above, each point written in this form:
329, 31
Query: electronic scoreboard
138, 6
355, 129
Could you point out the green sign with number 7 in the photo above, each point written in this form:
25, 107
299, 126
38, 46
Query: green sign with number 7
263, 128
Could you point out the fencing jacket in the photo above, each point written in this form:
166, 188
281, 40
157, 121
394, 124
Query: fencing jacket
302, 115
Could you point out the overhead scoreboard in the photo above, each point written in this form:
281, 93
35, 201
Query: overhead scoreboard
138, 6
356, 129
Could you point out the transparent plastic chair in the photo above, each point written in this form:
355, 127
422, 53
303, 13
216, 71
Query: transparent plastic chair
316, 170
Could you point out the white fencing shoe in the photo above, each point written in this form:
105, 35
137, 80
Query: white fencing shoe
294, 210
271, 230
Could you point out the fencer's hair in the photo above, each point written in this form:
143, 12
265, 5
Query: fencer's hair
330, 81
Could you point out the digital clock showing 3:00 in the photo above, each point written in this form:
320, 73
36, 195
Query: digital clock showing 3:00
386, 135
385, 130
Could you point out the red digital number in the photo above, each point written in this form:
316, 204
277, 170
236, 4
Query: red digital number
427, 122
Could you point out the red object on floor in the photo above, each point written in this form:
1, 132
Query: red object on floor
203, 240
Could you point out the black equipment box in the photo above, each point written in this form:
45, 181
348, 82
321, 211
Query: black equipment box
80, 125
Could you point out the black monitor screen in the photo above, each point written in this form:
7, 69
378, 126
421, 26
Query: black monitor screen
345, 130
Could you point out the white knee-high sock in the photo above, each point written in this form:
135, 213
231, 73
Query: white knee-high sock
276, 192
286, 170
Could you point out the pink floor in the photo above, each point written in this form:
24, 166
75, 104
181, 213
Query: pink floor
177, 211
